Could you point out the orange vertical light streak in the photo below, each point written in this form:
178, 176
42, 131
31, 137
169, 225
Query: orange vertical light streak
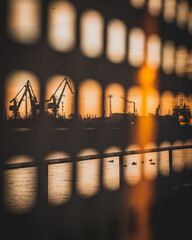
138, 199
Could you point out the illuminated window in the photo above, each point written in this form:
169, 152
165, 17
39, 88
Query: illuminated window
132, 171
189, 65
181, 60
134, 94
59, 179
111, 170
168, 62
152, 101
136, 47
169, 10
164, 159
180, 99
116, 41
92, 33
15, 92
154, 7
20, 186
150, 162
188, 154
177, 155
88, 174
115, 103
190, 21
153, 50
189, 103
64, 96
137, 3
61, 26
24, 20
90, 99
167, 102
182, 13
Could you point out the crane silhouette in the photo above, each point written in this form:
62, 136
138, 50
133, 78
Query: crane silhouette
16, 104
55, 104
134, 110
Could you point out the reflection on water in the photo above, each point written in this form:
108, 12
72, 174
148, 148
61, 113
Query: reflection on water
20, 186
59, 179
150, 163
178, 161
111, 170
21, 129
188, 155
164, 159
88, 174
132, 172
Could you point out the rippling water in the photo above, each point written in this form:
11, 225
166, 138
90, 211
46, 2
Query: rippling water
20, 184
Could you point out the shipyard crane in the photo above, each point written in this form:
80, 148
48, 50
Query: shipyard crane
16, 104
157, 111
134, 110
55, 104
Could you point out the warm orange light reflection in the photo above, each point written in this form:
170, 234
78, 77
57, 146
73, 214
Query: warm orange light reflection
20, 186
14, 83
154, 7
24, 20
152, 101
147, 77
137, 3
66, 106
135, 94
61, 26
164, 159
117, 103
153, 50
59, 179
132, 172
182, 13
150, 162
169, 10
88, 174
178, 158
167, 103
188, 154
181, 60
116, 41
90, 98
111, 170
168, 62
136, 47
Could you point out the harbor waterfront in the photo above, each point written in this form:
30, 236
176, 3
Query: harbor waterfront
96, 119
